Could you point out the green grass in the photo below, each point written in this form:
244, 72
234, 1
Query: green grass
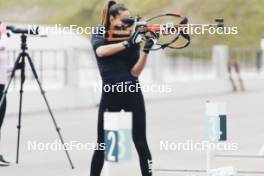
15, 3
247, 15
90, 13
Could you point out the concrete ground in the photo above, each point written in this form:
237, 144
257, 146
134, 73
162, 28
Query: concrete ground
175, 119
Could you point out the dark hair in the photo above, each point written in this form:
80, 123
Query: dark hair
111, 9
116, 8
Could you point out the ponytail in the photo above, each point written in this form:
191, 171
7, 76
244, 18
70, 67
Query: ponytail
111, 9
106, 14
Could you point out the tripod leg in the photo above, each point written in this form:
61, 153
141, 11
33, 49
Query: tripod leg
50, 111
22, 70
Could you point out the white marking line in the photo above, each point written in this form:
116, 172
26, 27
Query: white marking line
239, 156
178, 170
172, 171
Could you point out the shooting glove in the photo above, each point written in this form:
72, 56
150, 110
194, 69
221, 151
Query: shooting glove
149, 44
136, 38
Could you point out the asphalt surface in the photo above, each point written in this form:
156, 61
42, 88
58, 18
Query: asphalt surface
176, 120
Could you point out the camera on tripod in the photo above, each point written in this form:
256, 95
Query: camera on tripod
20, 64
28, 31
15, 30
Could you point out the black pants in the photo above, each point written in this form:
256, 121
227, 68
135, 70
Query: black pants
3, 107
128, 101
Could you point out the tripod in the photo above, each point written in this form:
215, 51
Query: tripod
20, 65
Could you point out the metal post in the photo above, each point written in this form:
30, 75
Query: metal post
220, 59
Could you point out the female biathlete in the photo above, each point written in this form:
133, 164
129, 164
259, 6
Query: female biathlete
121, 62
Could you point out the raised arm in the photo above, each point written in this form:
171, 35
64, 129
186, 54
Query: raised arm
108, 50
139, 66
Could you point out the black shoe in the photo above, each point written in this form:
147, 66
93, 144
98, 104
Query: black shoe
3, 162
